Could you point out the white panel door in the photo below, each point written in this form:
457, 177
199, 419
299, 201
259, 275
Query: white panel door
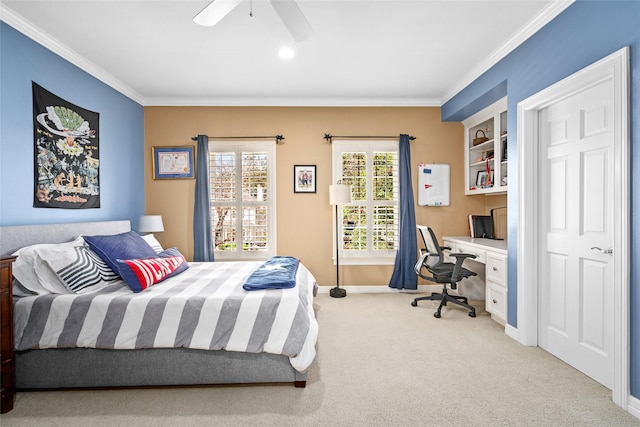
576, 212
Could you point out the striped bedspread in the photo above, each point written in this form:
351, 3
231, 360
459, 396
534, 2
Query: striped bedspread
204, 307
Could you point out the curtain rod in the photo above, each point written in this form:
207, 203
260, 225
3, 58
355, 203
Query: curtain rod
329, 137
279, 138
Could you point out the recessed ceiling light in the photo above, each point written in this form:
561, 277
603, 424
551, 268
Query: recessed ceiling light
286, 53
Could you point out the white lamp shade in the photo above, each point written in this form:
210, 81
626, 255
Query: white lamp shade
150, 224
339, 194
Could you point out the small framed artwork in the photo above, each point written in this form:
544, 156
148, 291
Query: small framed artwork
304, 179
483, 180
173, 162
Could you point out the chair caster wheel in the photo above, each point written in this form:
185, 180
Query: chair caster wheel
414, 303
436, 315
472, 314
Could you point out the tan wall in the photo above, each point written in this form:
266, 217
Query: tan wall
304, 221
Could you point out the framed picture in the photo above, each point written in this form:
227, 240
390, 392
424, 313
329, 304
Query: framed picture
483, 180
304, 179
173, 162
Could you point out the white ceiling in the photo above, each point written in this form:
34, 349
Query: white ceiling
362, 52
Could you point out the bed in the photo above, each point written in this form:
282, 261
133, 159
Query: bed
54, 349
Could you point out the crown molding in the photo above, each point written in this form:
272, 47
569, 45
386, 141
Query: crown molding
292, 102
533, 26
36, 34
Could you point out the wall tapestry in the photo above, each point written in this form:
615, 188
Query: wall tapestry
66, 153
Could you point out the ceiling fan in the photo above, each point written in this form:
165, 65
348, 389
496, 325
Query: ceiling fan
288, 11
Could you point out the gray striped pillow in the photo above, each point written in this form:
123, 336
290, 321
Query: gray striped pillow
76, 268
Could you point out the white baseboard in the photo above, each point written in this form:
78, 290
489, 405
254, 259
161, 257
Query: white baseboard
512, 332
634, 407
380, 289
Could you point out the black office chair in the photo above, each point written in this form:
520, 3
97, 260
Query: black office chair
447, 273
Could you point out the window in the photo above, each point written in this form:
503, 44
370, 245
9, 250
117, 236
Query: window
369, 226
242, 185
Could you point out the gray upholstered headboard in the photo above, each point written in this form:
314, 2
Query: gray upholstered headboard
13, 238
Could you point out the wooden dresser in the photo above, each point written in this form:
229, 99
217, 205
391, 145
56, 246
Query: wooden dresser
7, 365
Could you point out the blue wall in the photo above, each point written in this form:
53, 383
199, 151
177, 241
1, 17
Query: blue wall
121, 135
584, 33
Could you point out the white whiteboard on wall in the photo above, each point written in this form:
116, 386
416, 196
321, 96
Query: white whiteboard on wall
433, 185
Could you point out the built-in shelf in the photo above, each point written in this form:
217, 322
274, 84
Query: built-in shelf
486, 162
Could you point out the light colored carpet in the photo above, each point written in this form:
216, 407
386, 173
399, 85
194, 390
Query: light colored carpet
380, 362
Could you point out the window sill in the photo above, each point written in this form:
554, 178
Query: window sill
233, 256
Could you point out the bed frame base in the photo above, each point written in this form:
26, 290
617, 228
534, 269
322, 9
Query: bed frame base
97, 368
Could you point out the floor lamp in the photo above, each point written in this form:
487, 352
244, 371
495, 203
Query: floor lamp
339, 194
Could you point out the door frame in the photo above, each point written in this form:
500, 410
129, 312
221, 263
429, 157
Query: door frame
616, 68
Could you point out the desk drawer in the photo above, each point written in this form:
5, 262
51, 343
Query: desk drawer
464, 249
496, 302
496, 268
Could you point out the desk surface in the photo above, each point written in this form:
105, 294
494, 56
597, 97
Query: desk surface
497, 245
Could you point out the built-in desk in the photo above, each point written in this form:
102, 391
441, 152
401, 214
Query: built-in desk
491, 266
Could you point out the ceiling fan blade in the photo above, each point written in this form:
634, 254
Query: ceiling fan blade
293, 19
215, 11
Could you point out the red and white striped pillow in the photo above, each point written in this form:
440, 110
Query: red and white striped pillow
139, 274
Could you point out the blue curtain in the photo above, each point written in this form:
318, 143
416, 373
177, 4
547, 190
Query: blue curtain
403, 275
202, 237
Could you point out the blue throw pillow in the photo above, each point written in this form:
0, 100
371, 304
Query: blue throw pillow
113, 247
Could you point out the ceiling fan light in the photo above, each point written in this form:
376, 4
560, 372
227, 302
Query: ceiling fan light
215, 11
286, 53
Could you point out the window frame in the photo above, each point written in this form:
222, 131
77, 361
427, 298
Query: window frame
369, 256
239, 147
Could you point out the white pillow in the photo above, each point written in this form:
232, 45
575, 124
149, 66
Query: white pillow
24, 269
21, 291
72, 269
151, 240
